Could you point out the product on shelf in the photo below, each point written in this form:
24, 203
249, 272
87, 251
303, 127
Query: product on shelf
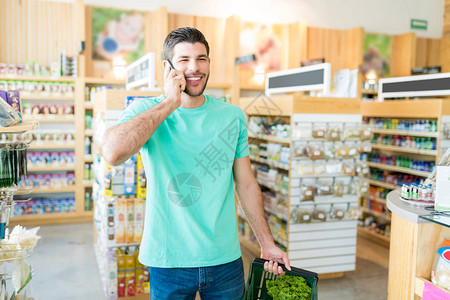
425, 143
440, 275
51, 159
39, 88
395, 177
49, 180
13, 164
402, 161
40, 206
88, 121
260, 125
402, 125
47, 109
30, 68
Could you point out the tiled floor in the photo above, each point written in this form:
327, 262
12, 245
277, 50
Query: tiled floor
66, 268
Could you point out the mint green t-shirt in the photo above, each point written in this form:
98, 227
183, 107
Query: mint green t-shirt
190, 218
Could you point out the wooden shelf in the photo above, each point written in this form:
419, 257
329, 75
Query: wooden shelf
274, 164
398, 169
89, 132
369, 92
253, 247
46, 98
49, 146
56, 218
51, 190
420, 285
50, 118
269, 138
378, 199
272, 187
50, 168
88, 158
19, 128
88, 183
38, 78
384, 240
88, 105
405, 150
383, 184
406, 133
110, 81
375, 213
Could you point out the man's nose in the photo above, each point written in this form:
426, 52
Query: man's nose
193, 65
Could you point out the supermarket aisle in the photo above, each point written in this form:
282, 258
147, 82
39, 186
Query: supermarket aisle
65, 263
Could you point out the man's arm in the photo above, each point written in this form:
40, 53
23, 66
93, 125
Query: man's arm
249, 196
124, 140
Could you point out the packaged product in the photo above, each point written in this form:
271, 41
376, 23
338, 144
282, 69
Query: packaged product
108, 181
351, 131
139, 207
338, 211
353, 150
362, 169
333, 167
129, 221
141, 179
319, 167
320, 213
15, 103
365, 146
139, 275
319, 130
302, 131
440, 275
111, 278
366, 133
121, 272
129, 179
120, 217
334, 132
110, 212
328, 150
348, 167
130, 273
341, 150
338, 188
146, 280
325, 187
307, 190
314, 151
305, 168
300, 149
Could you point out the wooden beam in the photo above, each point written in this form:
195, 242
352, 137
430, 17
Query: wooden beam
161, 30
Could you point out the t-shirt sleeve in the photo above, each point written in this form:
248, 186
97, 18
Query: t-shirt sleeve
242, 145
137, 107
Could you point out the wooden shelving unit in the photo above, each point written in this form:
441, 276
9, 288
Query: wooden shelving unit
50, 146
19, 128
54, 190
406, 133
405, 150
46, 97
56, 218
384, 240
50, 118
104, 81
376, 213
369, 92
269, 138
51, 168
38, 78
274, 164
398, 169
383, 184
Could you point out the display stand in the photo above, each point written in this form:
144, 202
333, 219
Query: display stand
328, 248
415, 237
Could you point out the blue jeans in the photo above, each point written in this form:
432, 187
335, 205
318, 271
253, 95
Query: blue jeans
217, 282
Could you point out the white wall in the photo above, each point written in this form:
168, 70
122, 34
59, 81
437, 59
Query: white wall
381, 16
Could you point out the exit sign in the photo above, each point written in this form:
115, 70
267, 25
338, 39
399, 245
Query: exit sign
419, 24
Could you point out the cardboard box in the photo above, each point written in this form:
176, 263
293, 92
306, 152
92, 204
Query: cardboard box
130, 274
139, 208
141, 179
139, 275
129, 179
111, 278
108, 181
121, 273
129, 221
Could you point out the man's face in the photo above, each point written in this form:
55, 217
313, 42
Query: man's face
193, 61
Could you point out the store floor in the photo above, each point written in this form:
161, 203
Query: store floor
66, 268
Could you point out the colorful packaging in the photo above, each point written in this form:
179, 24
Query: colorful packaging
111, 278
139, 275
120, 216
130, 273
441, 266
146, 280
108, 181
129, 221
14, 101
139, 207
110, 219
129, 179
141, 179
121, 273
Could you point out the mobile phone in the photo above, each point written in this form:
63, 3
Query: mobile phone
170, 64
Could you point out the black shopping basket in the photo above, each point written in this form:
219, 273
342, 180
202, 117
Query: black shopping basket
256, 283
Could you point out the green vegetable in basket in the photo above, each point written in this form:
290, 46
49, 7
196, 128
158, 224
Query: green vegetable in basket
289, 288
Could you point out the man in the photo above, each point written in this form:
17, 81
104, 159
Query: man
194, 149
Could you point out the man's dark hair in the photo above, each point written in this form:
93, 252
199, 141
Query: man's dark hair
183, 35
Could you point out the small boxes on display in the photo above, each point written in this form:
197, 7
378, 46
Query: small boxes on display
10, 108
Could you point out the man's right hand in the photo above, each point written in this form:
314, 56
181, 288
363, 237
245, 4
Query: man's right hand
174, 85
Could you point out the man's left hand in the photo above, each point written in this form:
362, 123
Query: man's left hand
275, 256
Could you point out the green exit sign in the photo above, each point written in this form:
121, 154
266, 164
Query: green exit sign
419, 24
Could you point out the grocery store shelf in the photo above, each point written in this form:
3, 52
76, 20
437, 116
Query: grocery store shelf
271, 163
383, 184
50, 118
253, 247
405, 150
52, 190
277, 214
398, 169
50, 97
88, 105
51, 168
88, 183
98, 80
273, 187
38, 78
88, 158
378, 199
269, 138
252, 87
375, 213
19, 128
56, 218
407, 133
89, 132
384, 240
47, 146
